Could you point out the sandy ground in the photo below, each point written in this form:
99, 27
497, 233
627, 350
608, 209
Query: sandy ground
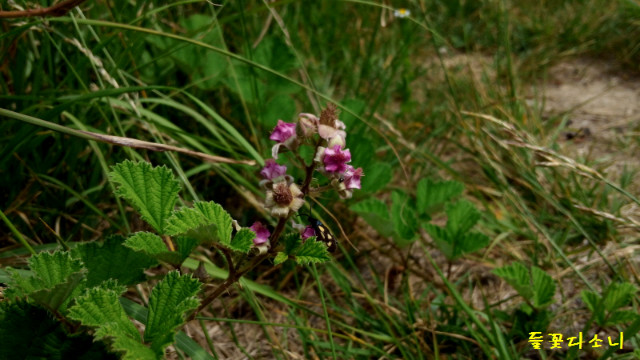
603, 107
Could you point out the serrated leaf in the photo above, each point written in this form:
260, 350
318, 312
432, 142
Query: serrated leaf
469, 243
112, 260
154, 246
30, 332
618, 295
375, 212
100, 307
543, 287
518, 277
185, 246
243, 240
132, 348
291, 242
280, 258
441, 238
591, 299
215, 214
169, 301
620, 317
153, 191
206, 221
56, 298
461, 217
312, 251
184, 220
405, 220
53, 278
430, 193
147, 242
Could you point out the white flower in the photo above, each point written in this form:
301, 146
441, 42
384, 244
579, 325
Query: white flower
284, 198
401, 13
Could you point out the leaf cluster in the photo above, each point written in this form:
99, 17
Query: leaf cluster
84, 285
310, 251
407, 214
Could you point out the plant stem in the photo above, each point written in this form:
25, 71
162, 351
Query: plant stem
234, 275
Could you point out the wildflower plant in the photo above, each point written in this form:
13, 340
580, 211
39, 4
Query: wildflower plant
83, 285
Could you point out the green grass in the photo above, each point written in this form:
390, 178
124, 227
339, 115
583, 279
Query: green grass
215, 78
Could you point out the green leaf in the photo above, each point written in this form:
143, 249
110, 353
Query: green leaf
620, 317
274, 53
169, 301
185, 220
152, 191
185, 246
275, 108
112, 260
30, 332
206, 221
469, 243
442, 239
543, 286
619, 295
405, 220
291, 242
280, 258
357, 106
375, 212
183, 341
53, 278
243, 241
154, 246
100, 308
147, 242
461, 217
591, 299
429, 193
518, 277
199, 63
312, 251
376, 176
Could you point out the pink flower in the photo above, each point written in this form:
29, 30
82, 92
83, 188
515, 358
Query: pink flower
352, 177
272, 170
335, 159
283, 131
308, 232
262, 233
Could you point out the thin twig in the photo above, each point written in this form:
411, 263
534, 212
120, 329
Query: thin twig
119, 140
59, 9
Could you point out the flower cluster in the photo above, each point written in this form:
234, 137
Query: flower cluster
327, 134
334, 157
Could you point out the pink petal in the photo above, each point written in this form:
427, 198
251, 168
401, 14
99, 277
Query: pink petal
262, 233
283, 131
272, 170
